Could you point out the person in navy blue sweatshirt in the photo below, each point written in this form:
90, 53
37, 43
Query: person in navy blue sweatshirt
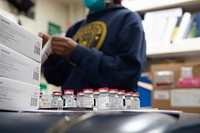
107, 49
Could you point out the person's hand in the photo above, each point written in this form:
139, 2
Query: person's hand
63, 46
44, 37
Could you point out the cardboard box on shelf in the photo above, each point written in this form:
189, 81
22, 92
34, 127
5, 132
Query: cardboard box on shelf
176, 69
184, 99
18, 96
16, 66
17, 38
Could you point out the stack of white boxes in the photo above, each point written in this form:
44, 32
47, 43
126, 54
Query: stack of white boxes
20, 65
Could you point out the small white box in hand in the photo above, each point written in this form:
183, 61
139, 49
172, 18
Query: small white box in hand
16, 66
46, 51
19, 96
19, 39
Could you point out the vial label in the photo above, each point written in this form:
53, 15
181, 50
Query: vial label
80, 102
121, 103
75, 105
69, 102
114, 103
88, 102
103, 103
46, 101
136, 103
57, 104
128, 104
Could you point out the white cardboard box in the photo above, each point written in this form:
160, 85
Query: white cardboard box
16, 66
15, 95
185, 97
19, 39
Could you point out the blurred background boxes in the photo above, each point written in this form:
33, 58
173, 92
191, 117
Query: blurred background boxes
175, 67
186, 99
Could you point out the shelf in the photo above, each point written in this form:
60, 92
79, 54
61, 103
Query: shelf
143, 6
184, 48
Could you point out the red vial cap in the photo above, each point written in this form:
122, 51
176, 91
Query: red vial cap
57, 92
96, 91
122, 91
79, 93
104, 89
88, 90
136, 93
68, 90
113, 90
129, 93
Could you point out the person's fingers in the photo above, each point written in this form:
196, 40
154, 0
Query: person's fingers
40, 34
63, 45
58, 44
59, 38
59, 51
43, 36
46, 37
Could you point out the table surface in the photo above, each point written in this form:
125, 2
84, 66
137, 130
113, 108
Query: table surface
41, 121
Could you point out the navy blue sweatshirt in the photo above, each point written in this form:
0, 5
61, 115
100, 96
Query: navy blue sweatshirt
111, 52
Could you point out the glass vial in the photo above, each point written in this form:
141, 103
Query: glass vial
121, 95
69, 98
79, 99
88, 99
129, 100
114, 99
103, 99
136, 100
57, 101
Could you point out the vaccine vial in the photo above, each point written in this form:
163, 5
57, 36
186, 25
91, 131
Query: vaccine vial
79, 99
96, 95
103, 99
129, 100
40, 100
69, 98
57, 101
136, 99
114, 99
88, 99
121, 96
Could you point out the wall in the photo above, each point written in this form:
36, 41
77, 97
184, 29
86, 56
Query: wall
49, 10
77, 12
4, 5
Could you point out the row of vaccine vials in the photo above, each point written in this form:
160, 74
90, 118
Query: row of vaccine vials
102, 99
